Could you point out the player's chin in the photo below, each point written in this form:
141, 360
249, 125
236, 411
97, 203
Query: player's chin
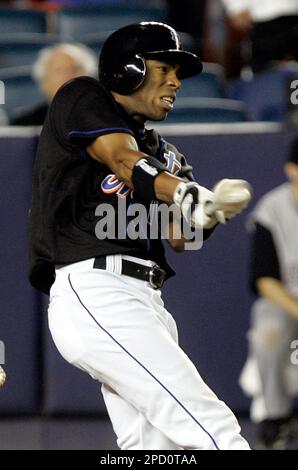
160, 116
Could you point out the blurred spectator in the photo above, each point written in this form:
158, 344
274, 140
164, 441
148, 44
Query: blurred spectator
271, 25
54, 66
188, 16
270, 375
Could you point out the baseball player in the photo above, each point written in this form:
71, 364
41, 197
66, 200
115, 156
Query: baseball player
269, 376
106, 314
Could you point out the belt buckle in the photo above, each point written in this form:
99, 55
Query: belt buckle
156, 277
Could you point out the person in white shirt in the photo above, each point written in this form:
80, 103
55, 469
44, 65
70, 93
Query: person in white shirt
270, 373
272, 26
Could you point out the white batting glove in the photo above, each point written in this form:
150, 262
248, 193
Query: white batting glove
193, 201
231, 196
2, 376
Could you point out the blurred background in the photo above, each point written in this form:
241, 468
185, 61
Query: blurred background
236, 119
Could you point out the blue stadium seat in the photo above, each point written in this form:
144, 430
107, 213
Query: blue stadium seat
76, 22
267, 94
20, 88
22, 21
200, 110
95, 40
208, 84
22, 50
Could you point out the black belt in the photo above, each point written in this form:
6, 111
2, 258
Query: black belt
152, 274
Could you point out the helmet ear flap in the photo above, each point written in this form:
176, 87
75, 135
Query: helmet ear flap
127, 77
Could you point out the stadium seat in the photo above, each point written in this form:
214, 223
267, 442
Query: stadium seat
267, 94
22, 50
95, 40
208, 84
22, 21
20, 88
76, 22
200, 110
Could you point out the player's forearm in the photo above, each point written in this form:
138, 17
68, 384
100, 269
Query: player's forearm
124, 163
164, 184
275, 291
121, 161
174, 236
177, 239
120, 153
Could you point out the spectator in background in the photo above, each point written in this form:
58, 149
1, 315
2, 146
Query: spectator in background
188, 16
269, 375
272, 26
55, 65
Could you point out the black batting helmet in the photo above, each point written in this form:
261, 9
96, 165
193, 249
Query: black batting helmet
122, 66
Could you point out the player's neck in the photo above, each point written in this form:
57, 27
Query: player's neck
125, 103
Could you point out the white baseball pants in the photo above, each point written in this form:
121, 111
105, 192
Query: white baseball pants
116, 328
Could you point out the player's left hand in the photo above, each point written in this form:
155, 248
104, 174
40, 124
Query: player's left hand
193, 201
231, 196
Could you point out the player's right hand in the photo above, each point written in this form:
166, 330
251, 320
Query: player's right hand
231, 196
193, 201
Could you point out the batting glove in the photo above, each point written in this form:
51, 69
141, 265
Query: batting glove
231, 196
194, 201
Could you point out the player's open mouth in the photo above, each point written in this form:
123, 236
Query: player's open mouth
168, 102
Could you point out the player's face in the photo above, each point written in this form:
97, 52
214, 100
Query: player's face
155, 98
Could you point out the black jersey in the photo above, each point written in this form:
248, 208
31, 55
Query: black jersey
68, 184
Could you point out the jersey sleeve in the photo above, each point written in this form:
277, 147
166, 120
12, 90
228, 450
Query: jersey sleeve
83, 110
186, 170
264, 258
176, 162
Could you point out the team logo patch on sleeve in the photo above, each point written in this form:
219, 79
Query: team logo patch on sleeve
171, 162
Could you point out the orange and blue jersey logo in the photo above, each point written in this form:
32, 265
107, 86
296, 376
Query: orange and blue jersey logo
111, 184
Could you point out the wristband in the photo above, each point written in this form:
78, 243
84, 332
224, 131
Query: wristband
143, 175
